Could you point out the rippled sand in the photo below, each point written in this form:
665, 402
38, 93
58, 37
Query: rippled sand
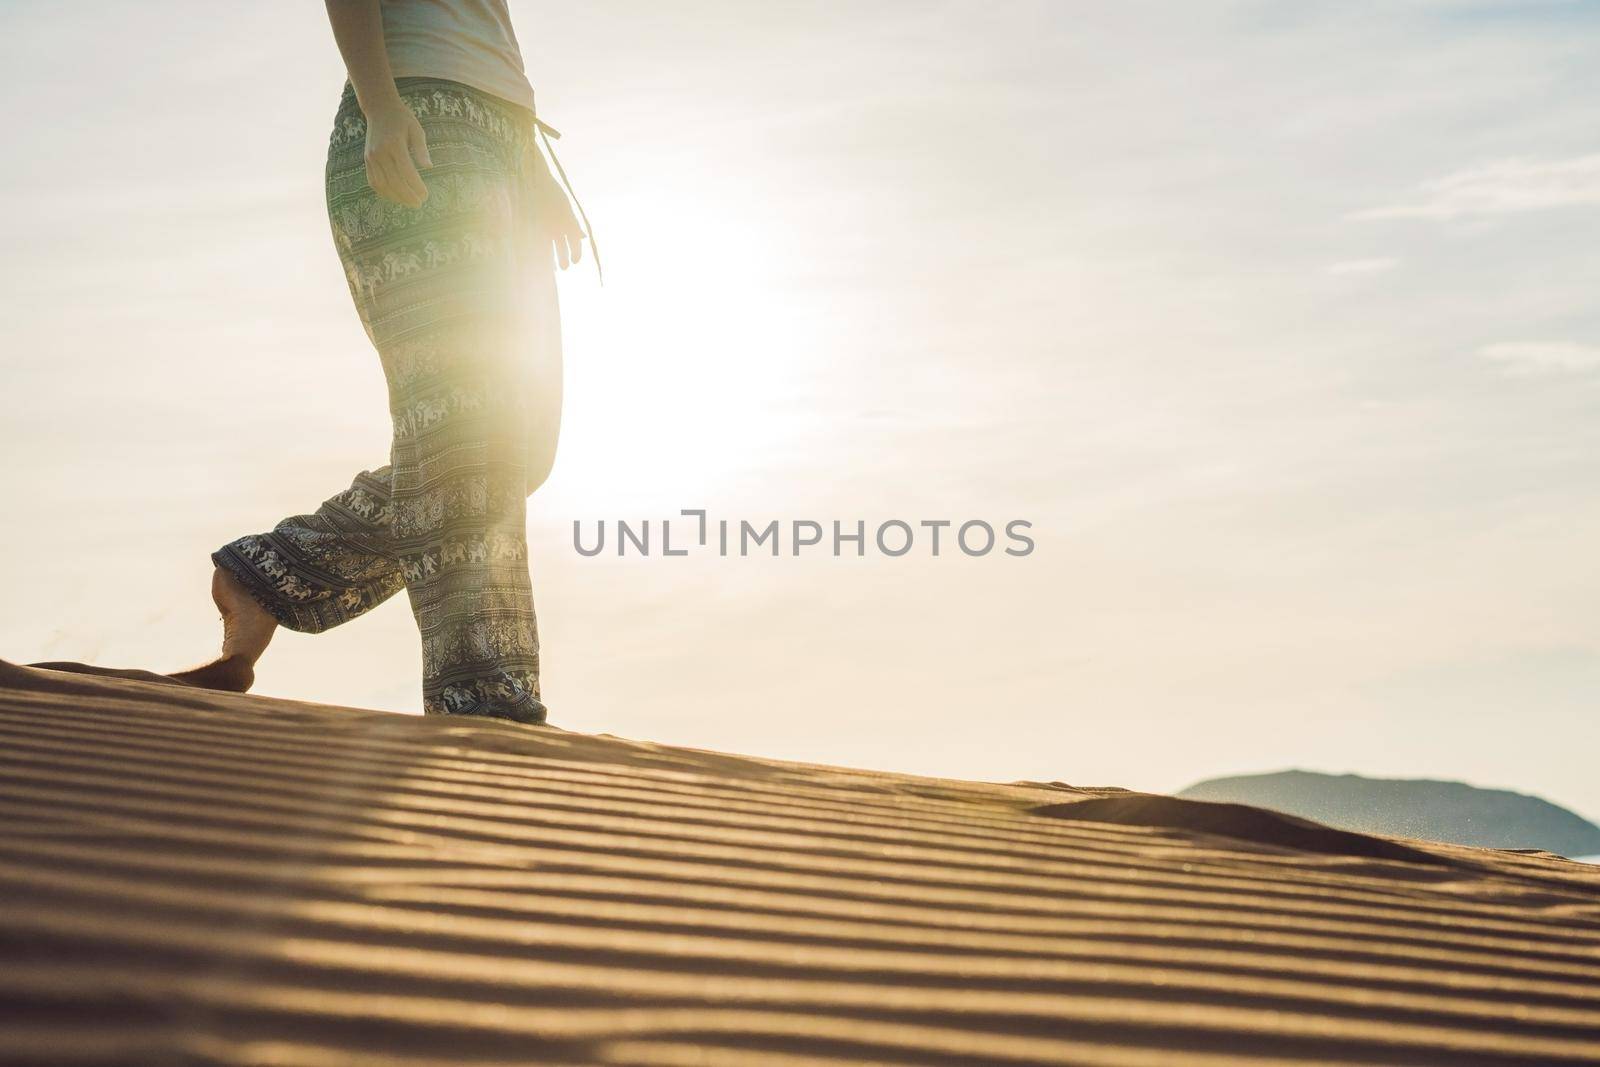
191, 877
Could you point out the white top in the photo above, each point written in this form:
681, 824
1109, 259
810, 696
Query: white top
467, 41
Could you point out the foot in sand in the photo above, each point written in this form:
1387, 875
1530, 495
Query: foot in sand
247, 629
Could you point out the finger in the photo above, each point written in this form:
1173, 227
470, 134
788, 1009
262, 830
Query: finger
406, 172
385, 183
575, 240
376, 177
561, 251
417, 142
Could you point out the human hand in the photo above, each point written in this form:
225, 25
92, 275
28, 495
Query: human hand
553, 214
396, 147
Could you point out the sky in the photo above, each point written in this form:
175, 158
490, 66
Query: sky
1276, 320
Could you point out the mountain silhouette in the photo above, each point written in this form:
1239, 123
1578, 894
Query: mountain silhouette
1452, 812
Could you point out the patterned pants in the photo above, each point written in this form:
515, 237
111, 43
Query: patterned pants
460, 304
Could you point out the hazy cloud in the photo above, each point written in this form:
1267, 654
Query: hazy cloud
1505, 187
1376, 265
1542, 357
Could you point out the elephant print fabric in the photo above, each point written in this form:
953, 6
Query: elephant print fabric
460, 306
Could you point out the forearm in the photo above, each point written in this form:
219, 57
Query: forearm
358, 31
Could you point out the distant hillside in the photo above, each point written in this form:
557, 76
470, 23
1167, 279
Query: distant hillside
1434, 811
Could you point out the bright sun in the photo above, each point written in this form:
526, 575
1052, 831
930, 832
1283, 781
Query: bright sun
681, 370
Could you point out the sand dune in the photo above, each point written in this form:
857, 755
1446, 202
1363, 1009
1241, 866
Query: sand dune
192, 877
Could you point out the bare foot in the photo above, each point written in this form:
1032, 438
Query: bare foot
247, 629
234, 674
